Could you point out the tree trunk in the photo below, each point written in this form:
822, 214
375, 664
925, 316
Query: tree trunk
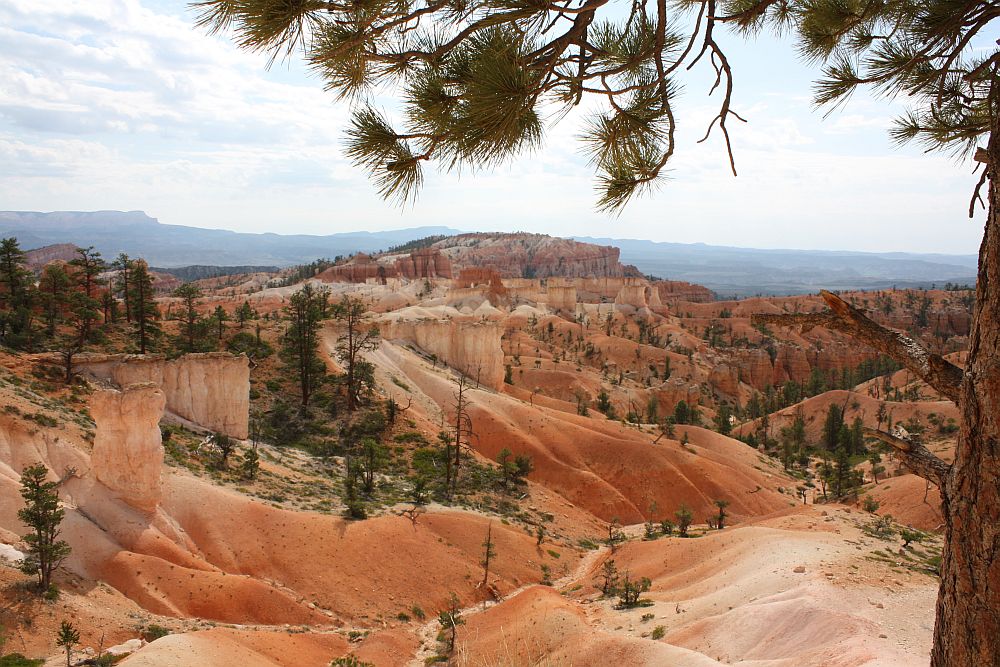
967, 631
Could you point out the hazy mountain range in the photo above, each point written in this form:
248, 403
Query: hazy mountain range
747, 271
727, 271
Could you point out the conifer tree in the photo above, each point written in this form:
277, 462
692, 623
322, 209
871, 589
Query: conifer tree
191, 329
145, 314
53, 293
305, 311
67, 638
123, 267
16, 296
42, 514
358, 337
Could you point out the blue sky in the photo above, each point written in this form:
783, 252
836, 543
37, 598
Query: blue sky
123, 104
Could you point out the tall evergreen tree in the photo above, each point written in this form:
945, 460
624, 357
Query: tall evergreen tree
123, 268
145, 313
358, 336
304, 313
42, 514
191, 329
16, 296
88, 267
54, 295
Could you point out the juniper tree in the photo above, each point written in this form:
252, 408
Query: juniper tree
477, 77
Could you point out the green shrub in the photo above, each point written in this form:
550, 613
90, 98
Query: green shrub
247, 343
154, 632
350, 661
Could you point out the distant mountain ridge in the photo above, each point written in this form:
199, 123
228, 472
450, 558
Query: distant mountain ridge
740, 272
171, 246
728, 271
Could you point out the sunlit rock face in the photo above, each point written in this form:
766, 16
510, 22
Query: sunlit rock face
211, 389
470, 347
128, 450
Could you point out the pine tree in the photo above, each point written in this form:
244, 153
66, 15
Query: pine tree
42, 514
305, 311
219, 317
450, 619
684, 518
191, 329
123, 267
88, 268
67, 638
244, 314
16, 296
720, 520
145, 313
54, 294
358, 337
832, 426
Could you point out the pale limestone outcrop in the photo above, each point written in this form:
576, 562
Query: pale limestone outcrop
210, 389
128, 452
633, 293
470, 347
561, 295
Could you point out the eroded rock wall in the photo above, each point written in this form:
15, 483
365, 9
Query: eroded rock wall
424, 263
128, 451
210, 389
470, 347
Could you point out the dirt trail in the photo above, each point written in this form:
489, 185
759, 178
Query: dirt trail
428, 632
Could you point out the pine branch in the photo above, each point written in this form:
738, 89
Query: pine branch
917, 458
933, 369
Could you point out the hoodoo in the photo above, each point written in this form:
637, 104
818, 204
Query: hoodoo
128, 449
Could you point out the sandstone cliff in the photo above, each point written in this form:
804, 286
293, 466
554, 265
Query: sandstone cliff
210, 389
128, 452
423, 263
677, 290
470, 347
523, 255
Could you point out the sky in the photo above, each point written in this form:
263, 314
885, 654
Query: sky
125, 105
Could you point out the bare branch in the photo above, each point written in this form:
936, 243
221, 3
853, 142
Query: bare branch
917, 458
933, 369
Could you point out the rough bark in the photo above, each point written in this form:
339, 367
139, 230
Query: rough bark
918, 458
967, 629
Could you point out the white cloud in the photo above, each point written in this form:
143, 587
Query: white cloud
113, 104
